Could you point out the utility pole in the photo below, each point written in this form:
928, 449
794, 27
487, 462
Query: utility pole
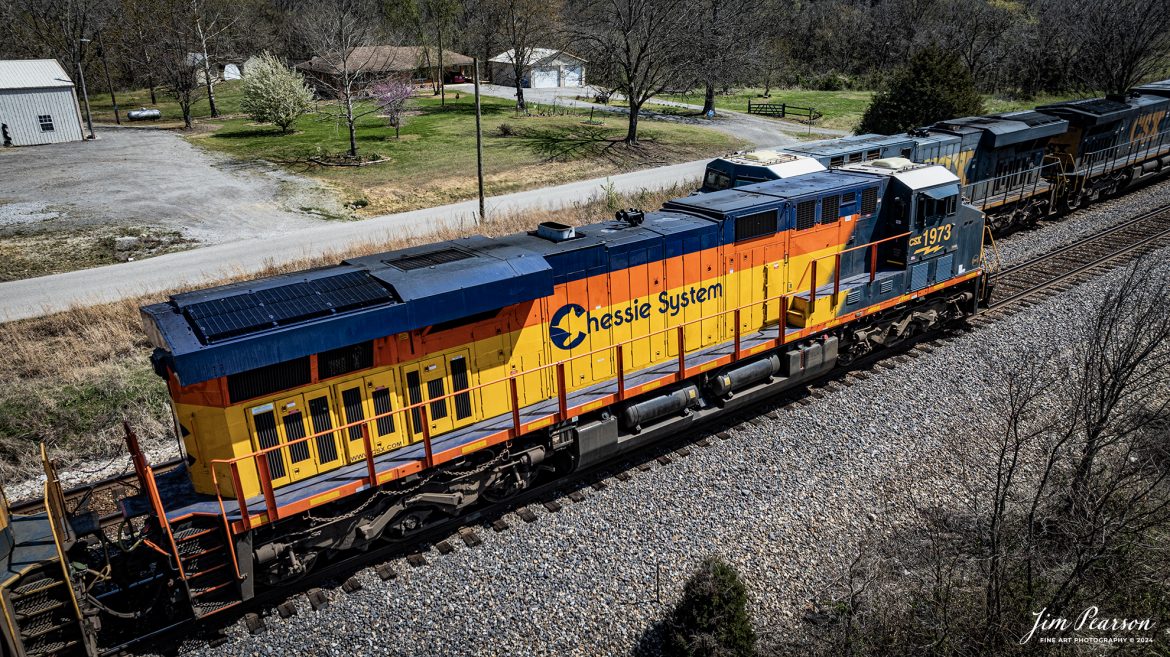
109, 83
84, 93
478, 144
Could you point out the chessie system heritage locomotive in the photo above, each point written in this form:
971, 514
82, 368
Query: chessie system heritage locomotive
328, 409
324, 410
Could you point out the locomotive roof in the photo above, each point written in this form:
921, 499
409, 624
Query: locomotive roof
731, 202
1161, 88
1007, 128
1095, 111
233, 328
848, 144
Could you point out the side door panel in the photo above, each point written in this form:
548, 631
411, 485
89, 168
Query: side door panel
293, 426
382, 399
322, 420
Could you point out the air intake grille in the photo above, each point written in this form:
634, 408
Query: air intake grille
428, 259
806, 214
252, 312
755, 225
868, 200
830, 209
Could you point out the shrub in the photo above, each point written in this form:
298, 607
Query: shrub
274, 93
932, 86
505, 130
711, 619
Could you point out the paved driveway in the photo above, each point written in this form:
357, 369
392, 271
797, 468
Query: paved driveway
152, 178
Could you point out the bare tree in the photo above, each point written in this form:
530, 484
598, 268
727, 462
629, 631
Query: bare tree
727, 36
1122, 43
480, 28
637, 47
526, 25
338, 33
140, 39
63, 28
178, 65
978, 31
1065, 494
211, 23
438, 17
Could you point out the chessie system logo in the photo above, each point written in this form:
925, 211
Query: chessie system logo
572, 323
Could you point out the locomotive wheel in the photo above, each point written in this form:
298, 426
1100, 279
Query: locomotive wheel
407, 524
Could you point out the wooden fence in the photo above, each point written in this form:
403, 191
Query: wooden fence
784, 111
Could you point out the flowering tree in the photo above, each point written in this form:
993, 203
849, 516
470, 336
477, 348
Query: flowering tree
274, 93
390, 96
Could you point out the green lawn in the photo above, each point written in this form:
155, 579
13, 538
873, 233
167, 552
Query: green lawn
433, 162
227, 101
996, 105
842, 110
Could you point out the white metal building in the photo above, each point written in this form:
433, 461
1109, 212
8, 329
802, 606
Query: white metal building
545, 68
38, 104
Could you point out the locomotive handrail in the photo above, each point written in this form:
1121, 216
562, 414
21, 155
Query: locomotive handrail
986, 189
563, 411
1108, 158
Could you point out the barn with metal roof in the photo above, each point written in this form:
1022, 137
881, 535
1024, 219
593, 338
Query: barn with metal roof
38, 104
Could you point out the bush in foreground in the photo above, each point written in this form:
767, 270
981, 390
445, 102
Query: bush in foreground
711, 619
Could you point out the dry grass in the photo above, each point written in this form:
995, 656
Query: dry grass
71, 378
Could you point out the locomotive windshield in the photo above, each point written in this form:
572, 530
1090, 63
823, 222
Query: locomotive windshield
716, 180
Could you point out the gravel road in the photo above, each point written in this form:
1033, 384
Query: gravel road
154, 178
787, 501
48, 294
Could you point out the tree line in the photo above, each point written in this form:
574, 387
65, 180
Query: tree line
638, 48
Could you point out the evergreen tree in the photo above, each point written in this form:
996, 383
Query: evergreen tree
711, 619
932, 86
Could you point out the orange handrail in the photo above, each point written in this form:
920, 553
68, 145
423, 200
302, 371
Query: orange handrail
562, 403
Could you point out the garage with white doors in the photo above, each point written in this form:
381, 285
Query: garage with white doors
542, 68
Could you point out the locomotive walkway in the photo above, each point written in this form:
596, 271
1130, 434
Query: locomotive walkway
35, 297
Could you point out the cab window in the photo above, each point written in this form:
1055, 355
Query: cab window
716, 180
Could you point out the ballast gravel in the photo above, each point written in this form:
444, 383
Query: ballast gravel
787, 500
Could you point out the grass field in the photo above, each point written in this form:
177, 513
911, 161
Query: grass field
70, 379
227, 101
842, 110
433, 161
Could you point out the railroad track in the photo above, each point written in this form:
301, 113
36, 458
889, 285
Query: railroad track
1067, 266
1057, 270
97, 496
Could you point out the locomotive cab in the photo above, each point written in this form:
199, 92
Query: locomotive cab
753, 167
931, 234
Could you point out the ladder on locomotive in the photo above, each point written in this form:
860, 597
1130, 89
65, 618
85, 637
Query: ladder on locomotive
200, 547
39, 596
208, 572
